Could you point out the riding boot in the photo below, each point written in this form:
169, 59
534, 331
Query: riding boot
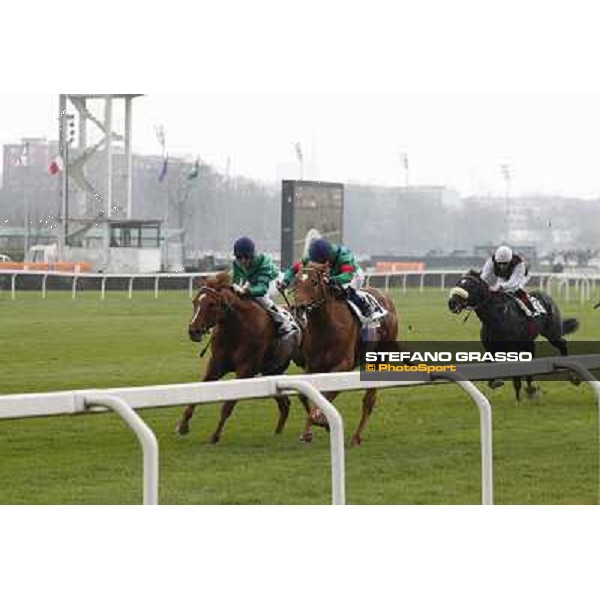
523, 296
284, 324
357, 299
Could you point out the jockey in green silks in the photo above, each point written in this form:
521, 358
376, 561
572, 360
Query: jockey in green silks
254, 275
344, 271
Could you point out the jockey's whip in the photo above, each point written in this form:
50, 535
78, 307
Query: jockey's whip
467, 317
282, 292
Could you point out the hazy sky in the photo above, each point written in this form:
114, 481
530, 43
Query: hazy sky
552, 143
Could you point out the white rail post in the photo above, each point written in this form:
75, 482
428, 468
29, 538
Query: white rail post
191, 287
130, 287
443, 286
13, 286
404, 283
485, 426
573, 365
74, 288
103, 288
156, 280
336, 435
44, 285
144, 434
421, 282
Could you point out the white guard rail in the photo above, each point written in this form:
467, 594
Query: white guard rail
125, 400
566, 284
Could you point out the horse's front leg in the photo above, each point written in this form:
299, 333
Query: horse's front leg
367, 408
307, 434
226, 410
517, 385
214, 372
317, 416
227, 407
283, 404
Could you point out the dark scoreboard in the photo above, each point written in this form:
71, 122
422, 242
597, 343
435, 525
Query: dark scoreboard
309, 209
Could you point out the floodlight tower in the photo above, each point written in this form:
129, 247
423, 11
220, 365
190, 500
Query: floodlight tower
505, 170
93, 194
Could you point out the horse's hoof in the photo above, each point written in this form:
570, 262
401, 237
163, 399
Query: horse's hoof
496, 383
182, 428
355, 441
532, 393
306, 437
319, 419
213, 439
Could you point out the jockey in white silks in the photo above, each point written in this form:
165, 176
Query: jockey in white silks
507, 271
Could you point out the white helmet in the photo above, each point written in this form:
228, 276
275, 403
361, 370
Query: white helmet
503, 254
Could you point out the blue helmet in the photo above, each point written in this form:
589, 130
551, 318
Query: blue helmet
244, 248
320, 250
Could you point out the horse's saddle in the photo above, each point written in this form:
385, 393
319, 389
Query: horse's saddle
378, 311
538, 307
284, 347
293, 323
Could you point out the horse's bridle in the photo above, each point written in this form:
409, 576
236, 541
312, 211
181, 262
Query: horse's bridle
222, 305
322, 282
485, 297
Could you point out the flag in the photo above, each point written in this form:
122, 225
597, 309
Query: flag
56, 166
193, 174
163, 171
298, 151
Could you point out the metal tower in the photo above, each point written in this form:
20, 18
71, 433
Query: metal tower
92, 128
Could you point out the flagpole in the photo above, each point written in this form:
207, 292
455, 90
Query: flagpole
25, 167
62, 136
404, 158
300, 157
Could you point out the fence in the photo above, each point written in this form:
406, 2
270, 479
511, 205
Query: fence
567, 285
124, 400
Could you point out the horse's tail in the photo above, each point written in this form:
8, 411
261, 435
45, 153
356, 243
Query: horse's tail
570, 325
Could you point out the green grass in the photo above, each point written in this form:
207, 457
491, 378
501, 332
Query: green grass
421, 445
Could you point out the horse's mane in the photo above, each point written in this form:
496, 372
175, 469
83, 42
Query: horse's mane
218, 282
474, 273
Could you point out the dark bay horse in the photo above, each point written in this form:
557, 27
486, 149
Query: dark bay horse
243, 342
505, 326
331, 336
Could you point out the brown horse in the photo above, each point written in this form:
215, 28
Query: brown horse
331, 337
244, 341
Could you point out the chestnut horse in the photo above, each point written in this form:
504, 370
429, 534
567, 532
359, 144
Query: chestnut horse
331, 336
244, 341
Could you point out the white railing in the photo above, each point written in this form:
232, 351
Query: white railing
125, 400
565, 283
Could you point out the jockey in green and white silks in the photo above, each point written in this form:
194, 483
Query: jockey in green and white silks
254, 275
345, 272
508, 271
